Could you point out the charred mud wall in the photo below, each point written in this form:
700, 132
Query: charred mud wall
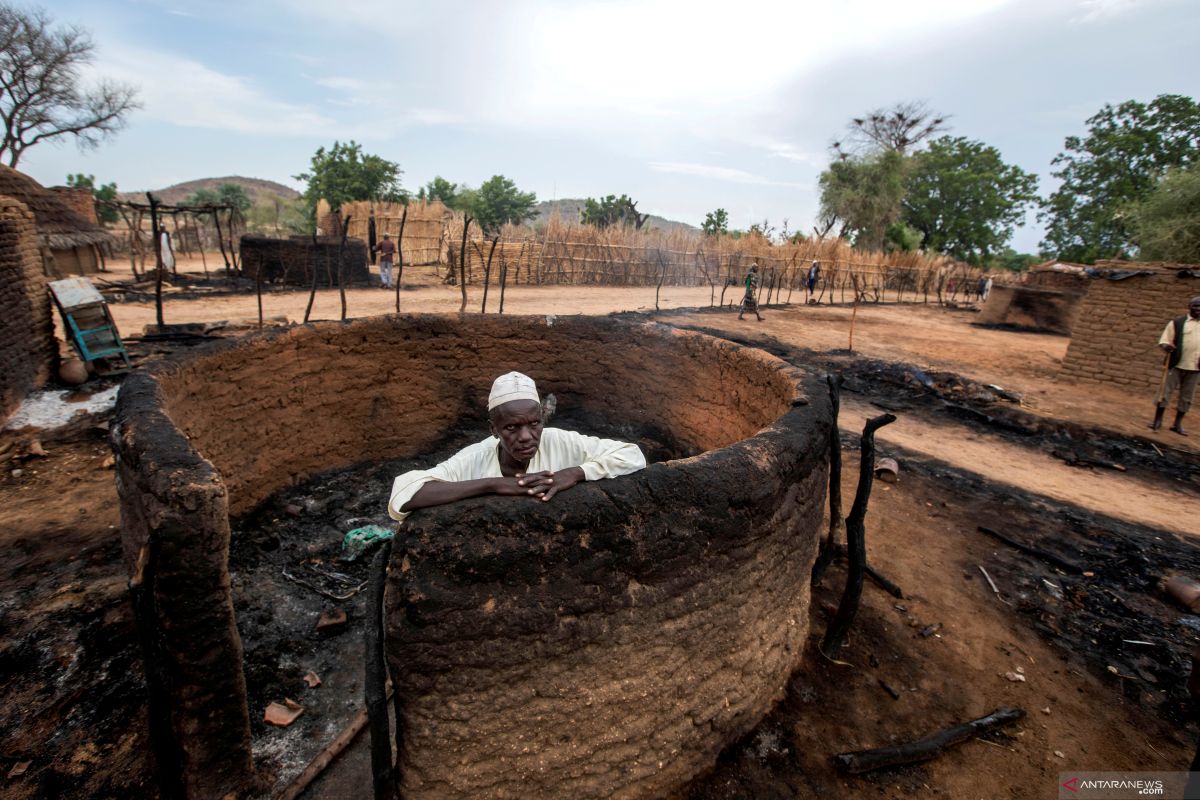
609, 643
1115, 338
1029, 308
27, 344
294, 260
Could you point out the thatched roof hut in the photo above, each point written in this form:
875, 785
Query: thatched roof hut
71, 245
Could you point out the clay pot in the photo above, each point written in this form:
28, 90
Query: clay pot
887, 470
73, 372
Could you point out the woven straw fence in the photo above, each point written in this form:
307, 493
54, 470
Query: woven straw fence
424, 226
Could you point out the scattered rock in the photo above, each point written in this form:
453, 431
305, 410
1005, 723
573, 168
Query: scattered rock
293, 510
1015, 677
108, 463
19, 769
1060, 754
932, 629
1046, 710
16, 473
332, 621
283, 714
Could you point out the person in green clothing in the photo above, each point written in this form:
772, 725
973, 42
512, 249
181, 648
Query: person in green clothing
750, 299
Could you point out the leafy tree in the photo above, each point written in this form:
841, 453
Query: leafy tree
440, 189
345, 173
106, 192
1013, 261
1167, 223
612, 210
898, 130
43, 97
964, 199
716, 223
496, 202
863, 195
203, 197
903, 237
231, 194
1117, 164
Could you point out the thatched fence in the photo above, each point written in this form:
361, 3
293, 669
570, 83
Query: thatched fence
582, 255
424, 226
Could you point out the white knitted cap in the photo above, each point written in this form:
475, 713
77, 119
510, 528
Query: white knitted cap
512, 386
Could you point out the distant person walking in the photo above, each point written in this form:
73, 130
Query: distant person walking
1181, 342
166, 252
814, 275
387, 253
750, 299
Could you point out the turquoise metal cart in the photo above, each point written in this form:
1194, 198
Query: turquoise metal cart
88, 322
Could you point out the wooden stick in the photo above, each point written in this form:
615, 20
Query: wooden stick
400, 256
340, 262
462, 264
991, 582
825, 557
383, 773
312, 292
1050, 558
158, 262
927, 748
856, 541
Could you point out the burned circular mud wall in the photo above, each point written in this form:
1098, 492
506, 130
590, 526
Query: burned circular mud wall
608, 643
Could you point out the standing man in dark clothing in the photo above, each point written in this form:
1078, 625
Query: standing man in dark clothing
387, 252
1181, 341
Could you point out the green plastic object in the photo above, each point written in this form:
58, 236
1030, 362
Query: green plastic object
360, 540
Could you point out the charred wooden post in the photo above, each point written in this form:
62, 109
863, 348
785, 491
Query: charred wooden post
375, 687
856, 541
925, 749
487, 274
158, 262
341, 263
462, 264
829, 546
312, 292
400, 255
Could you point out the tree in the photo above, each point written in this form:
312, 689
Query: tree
203, 197
107, 192
863, 195
716, 223
496, 202
43, 97
344, 173
1166, 224
440, 189
231, 194
1127, 149
964, 199
1013, 261
899, 130
612, 210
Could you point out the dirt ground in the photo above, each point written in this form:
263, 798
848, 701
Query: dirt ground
1103, 656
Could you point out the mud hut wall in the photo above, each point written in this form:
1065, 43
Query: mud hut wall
383, 389
28, 349
175, 539
1049, 310
1115, 338
293, 260
79, 199
610, 645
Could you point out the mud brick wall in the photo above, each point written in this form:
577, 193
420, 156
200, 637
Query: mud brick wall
294, 260
611, 642
1115, 337
1052, 311
27, 345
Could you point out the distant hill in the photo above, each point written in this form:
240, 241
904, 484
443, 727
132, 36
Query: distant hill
569, 209
255, 188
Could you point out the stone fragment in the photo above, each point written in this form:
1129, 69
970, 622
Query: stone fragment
332, 621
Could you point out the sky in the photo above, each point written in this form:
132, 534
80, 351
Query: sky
685, 106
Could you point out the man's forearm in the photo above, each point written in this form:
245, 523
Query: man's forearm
436, 493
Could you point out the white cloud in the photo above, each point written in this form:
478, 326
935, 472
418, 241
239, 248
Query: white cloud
187, 93
715, 172
1104, 10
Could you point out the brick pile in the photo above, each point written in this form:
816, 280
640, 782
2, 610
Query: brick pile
1115, 336
27, 344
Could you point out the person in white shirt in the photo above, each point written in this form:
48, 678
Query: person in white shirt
519, 458
1181, 341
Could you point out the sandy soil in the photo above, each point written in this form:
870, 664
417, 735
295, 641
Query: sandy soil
70, 684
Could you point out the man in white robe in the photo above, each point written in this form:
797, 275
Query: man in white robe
519, 458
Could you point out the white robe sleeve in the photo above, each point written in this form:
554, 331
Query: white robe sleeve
466, 464
602, 458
